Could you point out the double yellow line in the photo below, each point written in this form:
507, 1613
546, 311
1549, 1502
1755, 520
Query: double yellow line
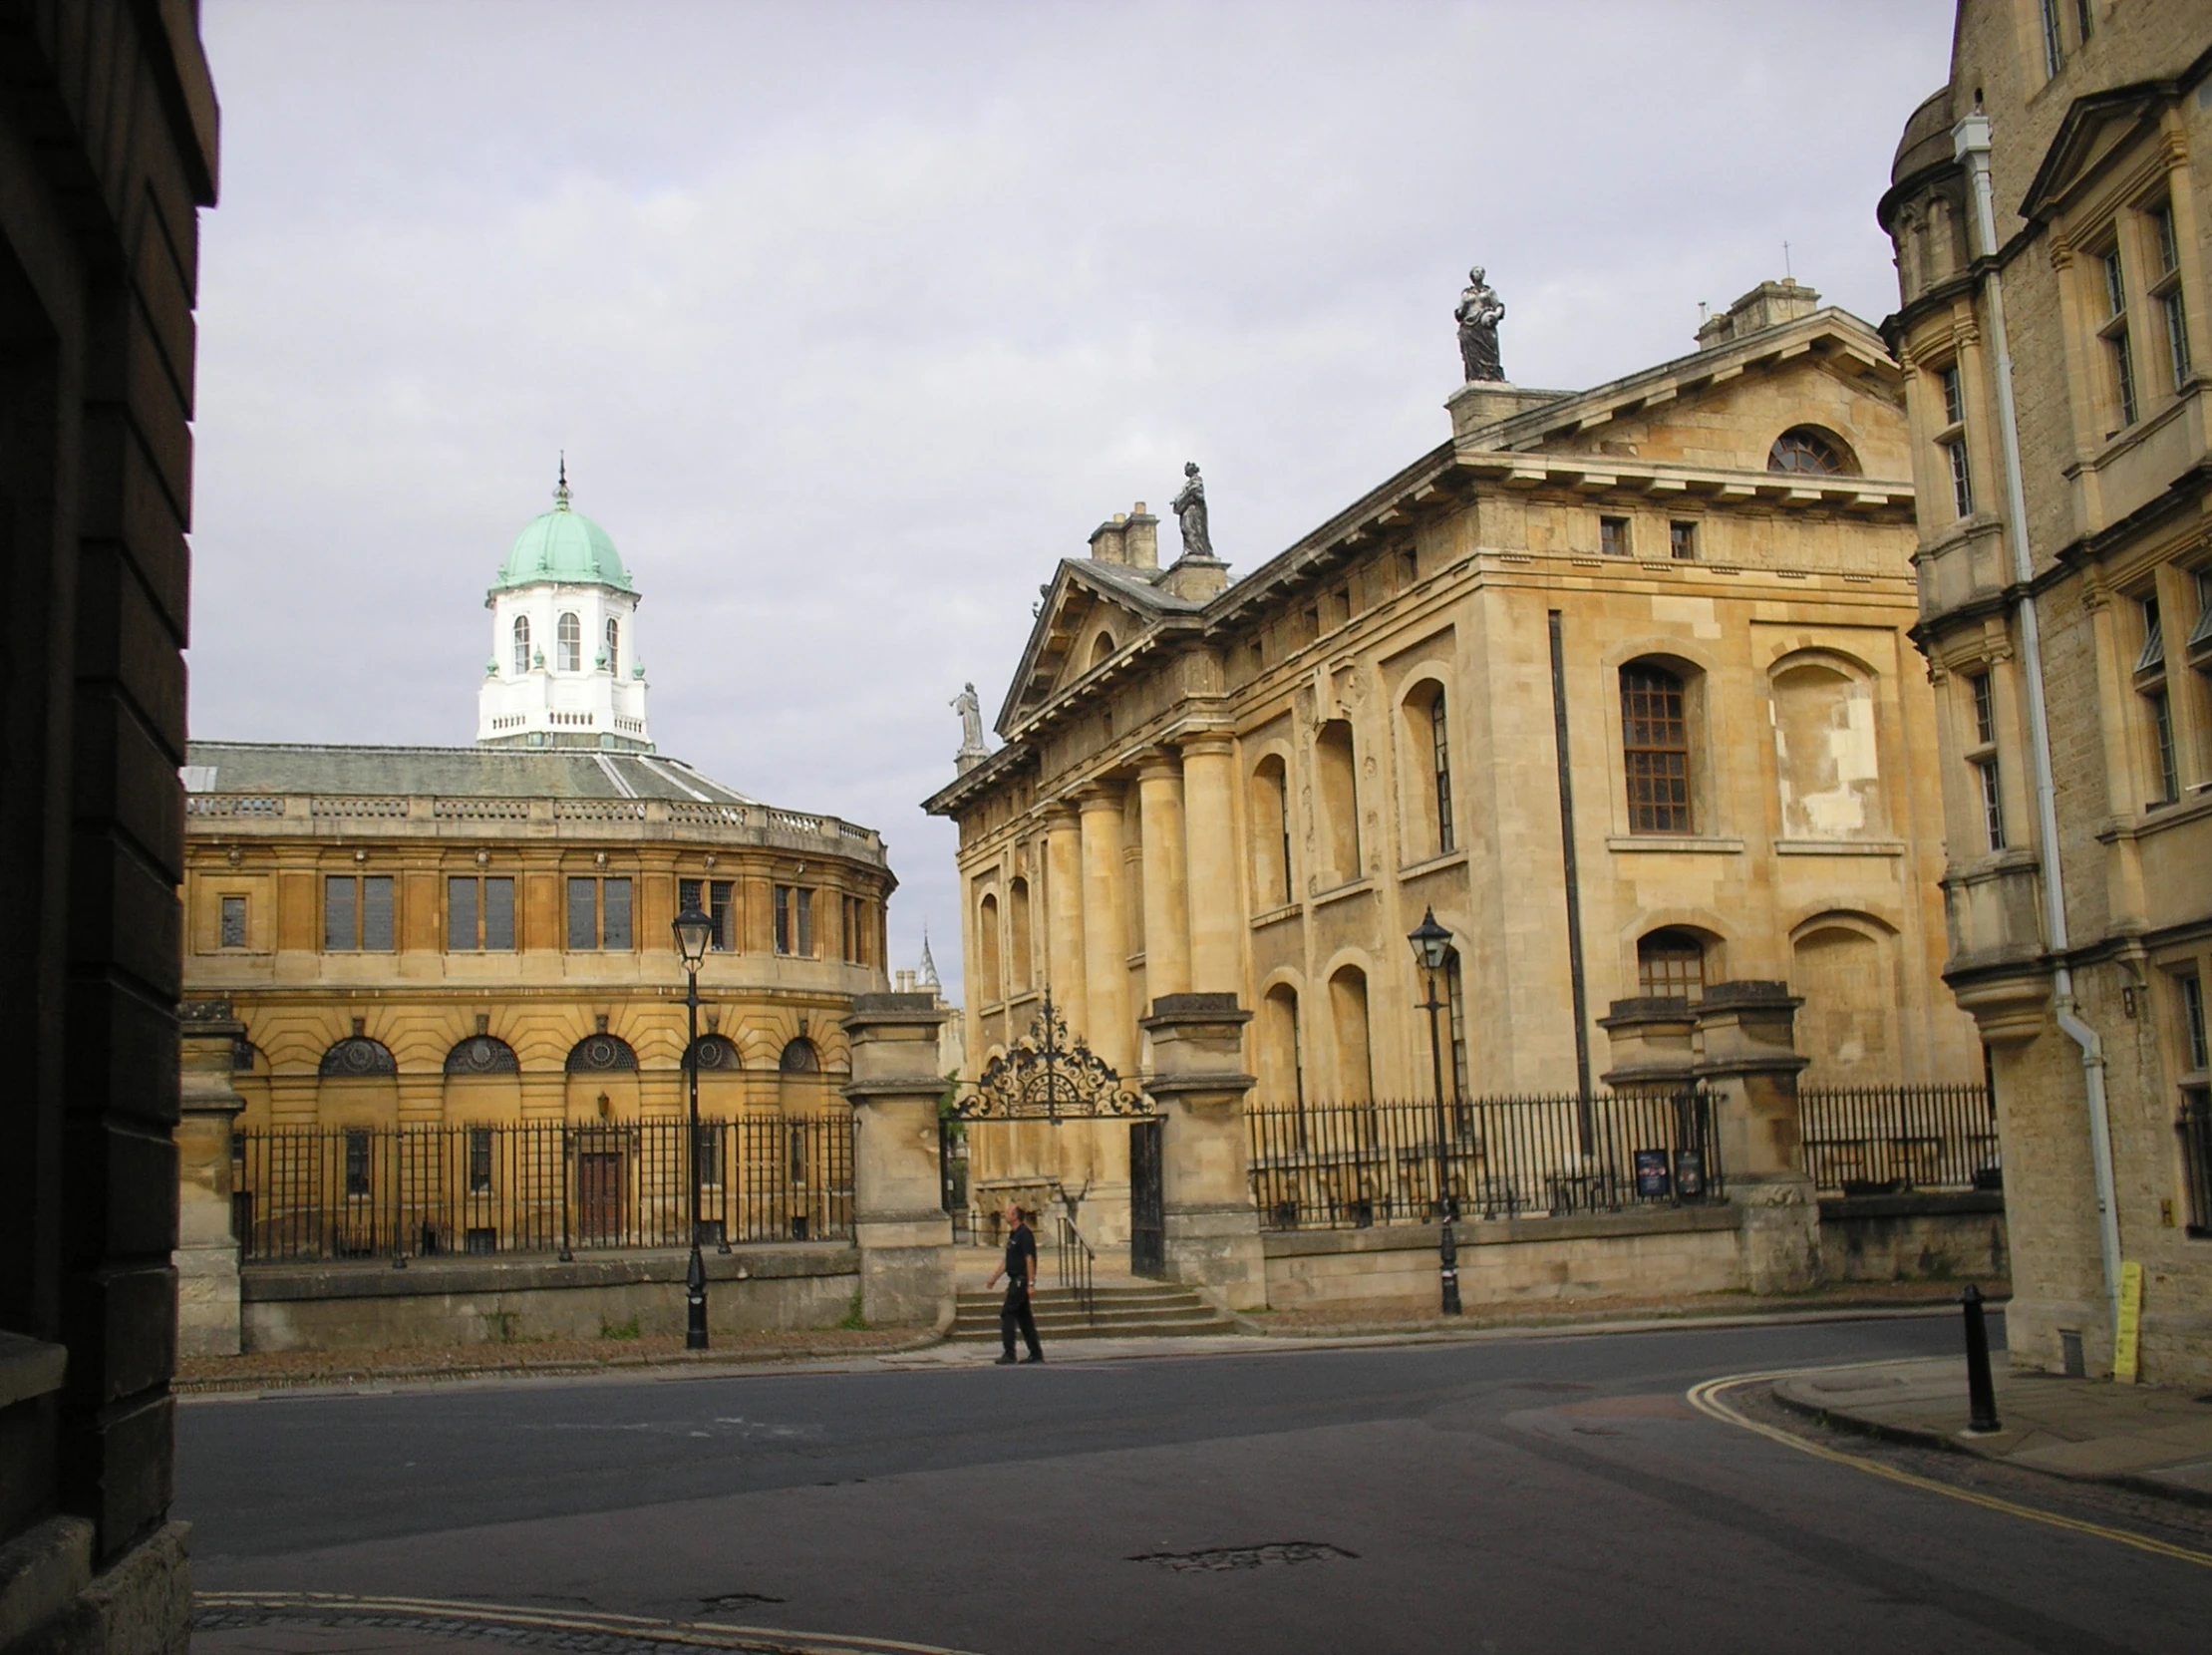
1707, 1399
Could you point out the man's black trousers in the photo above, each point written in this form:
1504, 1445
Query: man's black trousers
1015, 1312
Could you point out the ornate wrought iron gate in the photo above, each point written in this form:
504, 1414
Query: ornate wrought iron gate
1148, 1220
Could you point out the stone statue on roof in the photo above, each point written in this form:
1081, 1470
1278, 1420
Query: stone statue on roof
1479, 314
972, 749
1190, 514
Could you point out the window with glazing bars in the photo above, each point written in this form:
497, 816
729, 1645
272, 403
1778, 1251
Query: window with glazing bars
1681, 543
794, 920
480, 914
2161, 733
357, 1164
1655, 739
357, 913
233, 932
1455, 996
598, 914
1669, 965
715, 899
2115, 338
479, 1159
2167, 291
1439, 744
1613, 536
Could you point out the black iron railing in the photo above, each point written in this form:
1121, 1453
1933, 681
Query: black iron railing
1350, 1166
1878, 1140
1075, 1258
538, 1188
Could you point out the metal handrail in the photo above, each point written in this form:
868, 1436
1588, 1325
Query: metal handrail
1073, 1261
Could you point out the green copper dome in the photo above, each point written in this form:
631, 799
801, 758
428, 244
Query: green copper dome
564, 546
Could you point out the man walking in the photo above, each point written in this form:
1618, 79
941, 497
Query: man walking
1020, 1270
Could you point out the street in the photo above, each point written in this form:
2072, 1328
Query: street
1527, 1494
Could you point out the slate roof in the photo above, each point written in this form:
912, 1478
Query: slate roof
446, 772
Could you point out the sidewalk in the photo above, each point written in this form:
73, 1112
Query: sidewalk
2153, 1441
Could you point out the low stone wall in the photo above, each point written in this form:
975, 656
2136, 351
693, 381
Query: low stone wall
1691, 1249
475, 1301
1914, 1237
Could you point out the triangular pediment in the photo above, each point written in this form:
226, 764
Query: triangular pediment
1092, 617
2093, 131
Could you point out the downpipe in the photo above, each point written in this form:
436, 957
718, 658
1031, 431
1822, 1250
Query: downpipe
1970, 141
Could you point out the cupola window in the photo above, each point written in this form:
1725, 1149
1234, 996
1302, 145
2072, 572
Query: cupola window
571, 633
522, 646
614, 646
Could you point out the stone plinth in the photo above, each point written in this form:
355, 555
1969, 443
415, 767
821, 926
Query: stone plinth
899, 1221
1198, 1080
1482, 403
1652, 1045
207, 1305
1749, 1070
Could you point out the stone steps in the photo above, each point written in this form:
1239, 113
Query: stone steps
1144, 1310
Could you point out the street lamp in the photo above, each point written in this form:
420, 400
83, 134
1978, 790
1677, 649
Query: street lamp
693, 932
1432, 946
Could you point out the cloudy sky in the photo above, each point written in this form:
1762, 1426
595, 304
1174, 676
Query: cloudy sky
853, 317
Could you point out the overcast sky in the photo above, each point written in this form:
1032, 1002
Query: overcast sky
852, 318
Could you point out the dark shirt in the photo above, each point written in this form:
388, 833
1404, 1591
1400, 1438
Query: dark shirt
1020, 1253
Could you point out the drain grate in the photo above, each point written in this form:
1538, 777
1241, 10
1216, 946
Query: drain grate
1245, 1556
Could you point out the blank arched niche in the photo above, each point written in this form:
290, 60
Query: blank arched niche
1270, 835
1023, 962
1827, 756
1355, 1056
1282, 1073
1337, 785
987, 951
1102, 649
1844, 968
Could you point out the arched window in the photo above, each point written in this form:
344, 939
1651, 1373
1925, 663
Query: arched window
522, 646
1430, 830
1355, 1061
1101, 648
717, 1051
800, 1058
600, 1054
614, 646
357, 1056
1669, 965
1271, 863
483, 1054
1016, 901
1805, 449
1654, 748
571, 635
987, 951
1335, 777
1455, 999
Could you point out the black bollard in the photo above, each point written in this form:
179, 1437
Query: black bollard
1981, 1388
1449, 1259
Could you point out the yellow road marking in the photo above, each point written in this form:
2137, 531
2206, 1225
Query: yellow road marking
1706, 1398
707, 1633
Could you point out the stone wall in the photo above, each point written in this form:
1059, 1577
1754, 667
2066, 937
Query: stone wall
1915, 1237
481, 1302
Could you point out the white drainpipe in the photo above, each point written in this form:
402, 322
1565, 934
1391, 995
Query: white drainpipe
1970, 141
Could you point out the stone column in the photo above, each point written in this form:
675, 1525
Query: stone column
1104, 937
1064, 907
1652, 1045
1212, 885
1212, 1228
905, 1235
1749, 1070
208, 1304
1159, 782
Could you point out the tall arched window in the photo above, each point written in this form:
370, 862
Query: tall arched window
1669, 965
1336, 781
1809, 448
1271, 863
1654, 748
1428, 828
571, 635
522, 646
614, 646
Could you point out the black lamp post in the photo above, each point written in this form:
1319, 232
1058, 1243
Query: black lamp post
693, 932
1432, 946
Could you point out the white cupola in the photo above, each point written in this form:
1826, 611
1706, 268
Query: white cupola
564, 669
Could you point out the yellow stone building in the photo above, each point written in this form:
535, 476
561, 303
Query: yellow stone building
1621, 684
2050, 206
481, 934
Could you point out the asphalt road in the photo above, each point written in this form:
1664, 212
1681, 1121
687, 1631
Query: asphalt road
1525, 1494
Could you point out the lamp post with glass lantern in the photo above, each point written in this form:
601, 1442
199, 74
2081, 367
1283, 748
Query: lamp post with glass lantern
693, 932
1432, 946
